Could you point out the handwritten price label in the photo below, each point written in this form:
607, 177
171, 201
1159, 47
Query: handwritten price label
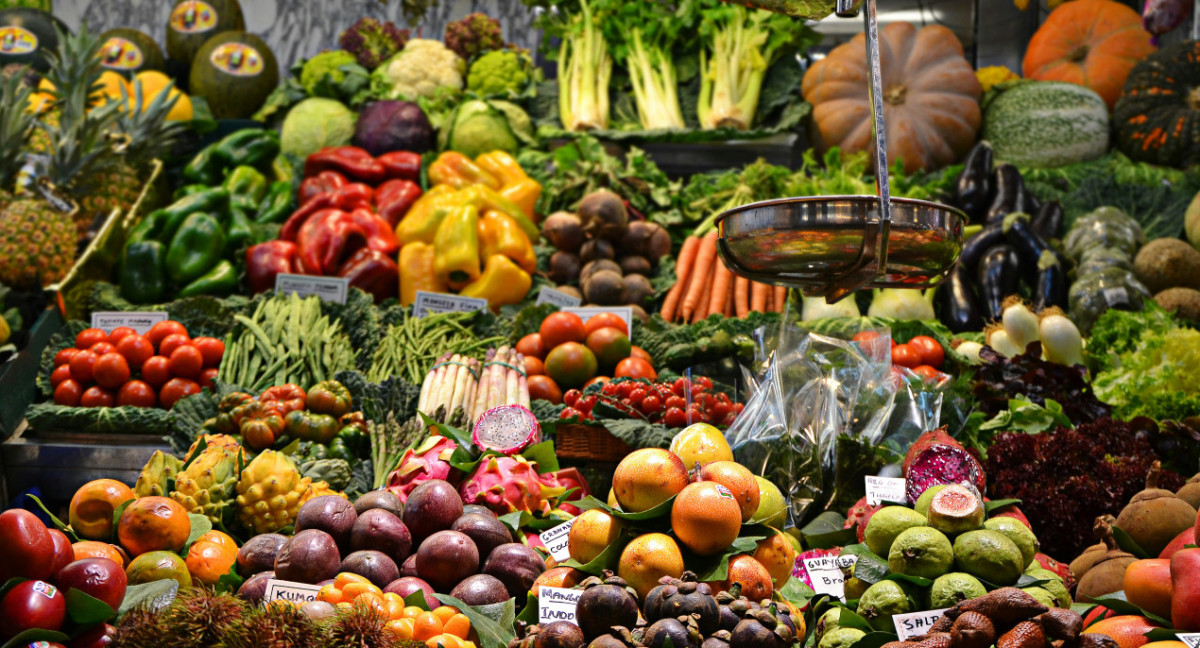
282, 590
827, 574
885, 489
556, 541
557, 604
916, 623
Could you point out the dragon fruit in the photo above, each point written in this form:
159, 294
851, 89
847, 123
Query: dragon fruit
931, 438
1059, 568
507, 429
801, 572
1010, 511
943, 464
507, 484
858, 516
569, 479
430, 460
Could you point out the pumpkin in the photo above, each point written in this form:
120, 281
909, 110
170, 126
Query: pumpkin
930, 97
1158, 117
1093, 43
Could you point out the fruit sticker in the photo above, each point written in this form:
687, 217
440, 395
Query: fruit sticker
121, 54
237, 59
14, 40
193, 17
45, 589
724, 492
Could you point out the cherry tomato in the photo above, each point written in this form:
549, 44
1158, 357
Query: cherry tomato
185, 361
675, 401
680, 387
929, 349
161, 330
652, 404
718, 410
81, 366
211, 348
702, 383
570, 412
638, 352
610, 389
68, 392
88, 337
207, 377
119, 333
60, 373
96, 396
155, 371
111, 370
601, 320
635, 368
137, 394
586, 403
928, 373
865, 336
175, 389
64, 357
904, 355
172, 342
637, 396
675, 417
136, 349
696, 414
571, 396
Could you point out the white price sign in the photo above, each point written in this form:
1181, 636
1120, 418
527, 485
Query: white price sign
431, 303
557, 604
556, 540
282, 590
140, 321
1192, 639
548, 295
330, 289
827, 575
885, 489
916, 623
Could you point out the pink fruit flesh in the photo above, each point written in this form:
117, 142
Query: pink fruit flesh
507, 429
943, 464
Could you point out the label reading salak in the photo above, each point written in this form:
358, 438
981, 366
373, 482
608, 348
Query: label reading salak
557, 604
193, 17
14, 40
237, 59
916, 623
121, 54
298, 593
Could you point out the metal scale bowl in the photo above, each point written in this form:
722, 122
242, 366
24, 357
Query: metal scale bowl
834, 245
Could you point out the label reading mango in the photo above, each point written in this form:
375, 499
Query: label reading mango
193, 17
237, 59
121, 54
14, 41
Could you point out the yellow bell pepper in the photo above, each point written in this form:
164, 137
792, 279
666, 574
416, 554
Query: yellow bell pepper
422, 220
501, 283
458, 171
416, 272
487, 198
524, 194
502, 166
456, 261
499, 234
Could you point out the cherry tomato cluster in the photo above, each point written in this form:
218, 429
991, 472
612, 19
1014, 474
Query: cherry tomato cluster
923, 355
123, 368
674, 404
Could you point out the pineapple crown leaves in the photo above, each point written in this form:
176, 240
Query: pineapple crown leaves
16, 126
80, 150
145, 123
75, 73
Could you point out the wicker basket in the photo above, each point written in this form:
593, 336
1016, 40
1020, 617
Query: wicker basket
590, 442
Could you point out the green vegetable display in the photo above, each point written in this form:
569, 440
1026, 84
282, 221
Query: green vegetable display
501, 73
314, 124
410, 347
1146, 365
478, 126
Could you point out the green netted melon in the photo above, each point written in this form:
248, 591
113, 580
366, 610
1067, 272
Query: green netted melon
130, 51
27, 36
193, 22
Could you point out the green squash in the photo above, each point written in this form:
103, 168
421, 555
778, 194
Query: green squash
27, 36
193, 22
129, 51
235, 72
1046, 124
1157, 117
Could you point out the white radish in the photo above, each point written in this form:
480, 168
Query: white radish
1021, 324
970, 351
999, 340
1061, 339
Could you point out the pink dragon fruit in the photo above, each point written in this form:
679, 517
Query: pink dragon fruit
507, 429
1010, 511
422, 463
943, 464
801, 572
1062, 569
858, 516
568, 479
507, 484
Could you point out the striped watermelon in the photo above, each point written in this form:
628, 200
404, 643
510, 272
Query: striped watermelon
1047, 124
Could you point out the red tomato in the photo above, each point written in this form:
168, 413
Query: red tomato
211, 349
865, 336
928, 373
100, 348
207, 377
531, 346
111, 370
88, 337
136, 349
534, 366
544, 388
561, 327
172, 342
675, 417
175, 389
159, 331
68, 393
930, 351
602, 320
119, 333
81, 366
185, 361
636, 351
96, 396
571, 397
60, 373
137, 394
635, 368
905, 356
155, 371
64, 357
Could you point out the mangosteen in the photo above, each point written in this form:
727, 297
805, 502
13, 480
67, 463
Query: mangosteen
749, 632
480, 589
603, 606
657, 634
607, 641
379, 499
559, 634
329, 513
488, 532
684, 597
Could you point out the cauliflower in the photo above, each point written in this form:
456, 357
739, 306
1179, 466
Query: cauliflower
323, 65
473, 35
419, 70
500, 72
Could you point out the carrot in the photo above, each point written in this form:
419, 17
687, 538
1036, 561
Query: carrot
705, 300
683, 271
671, 302
759, 293
779, 299
741, 296
722, 285
706, 256
729, 304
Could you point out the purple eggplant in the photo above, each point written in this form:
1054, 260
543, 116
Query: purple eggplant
999, 274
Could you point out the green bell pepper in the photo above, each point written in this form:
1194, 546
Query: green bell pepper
251, 147
149, 228
195, 248
240, 232
188, 190
283, 169
338, 449
276, 206
221, 280
142, 272
211, 201
246, 182
206, 168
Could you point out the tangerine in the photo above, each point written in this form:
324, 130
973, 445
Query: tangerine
158, 565
94, 549
739, 480
458, 625
402, 628
443, 641
777, 553
1128, 630
646, 559
706, 518
444, 613
153, 523
648, 477
751, 575
93, 505
426, 625
591, 534
208, 561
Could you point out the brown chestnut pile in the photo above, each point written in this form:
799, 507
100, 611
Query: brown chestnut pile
680, 611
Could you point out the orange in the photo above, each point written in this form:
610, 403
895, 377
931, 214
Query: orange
352, 591
458, 625
207, 562
1148, 585
426, 625
565, 577
182, 110
1129, 631
648, 477
153, 523
706, 518
111, 85
93, 549
402, 628
443, 641
394, 605
1166, 644
373, 600
93, 505
648, 558
591, 534
444, 613
738, 479
411, 612
345, 578
220, 538
158, 565
330, 594
778, 555
754, 578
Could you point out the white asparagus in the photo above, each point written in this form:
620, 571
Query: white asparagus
516, 360
438, 373
481, 391
447, 389
460, 386
496, 390
468, 401
427, 388
523, 382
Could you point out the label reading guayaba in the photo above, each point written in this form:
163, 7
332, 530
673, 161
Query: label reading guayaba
557, 604
826, 573
330, 289
916, 623
556, 540
431, 303
548, 295
139, 321
1192, 639
587, 312
885, 489
281, 590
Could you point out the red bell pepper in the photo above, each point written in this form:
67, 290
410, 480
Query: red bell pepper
266, 260
401, 165
346, 198
380, 236
350, 161
373, 272
326, 238
394, 198
323, 182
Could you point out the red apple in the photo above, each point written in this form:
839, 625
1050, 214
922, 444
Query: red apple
26, 547
64, 554
32, 604
100, 578
98, 637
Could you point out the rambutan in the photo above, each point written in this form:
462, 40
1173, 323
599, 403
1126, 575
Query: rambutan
199, 617
141, 627
359, 627
276, 626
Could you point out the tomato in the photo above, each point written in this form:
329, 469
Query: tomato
652, 404
560, 327
81, 366
100, 348
119, 333
136, 349
637, 396
865, 336
88, 337
64, 357
635, 368
175, 389
161, 330
60, 373
609, 344
207, 377
544, 388
96, 396
155, 371
534, 366
531, 346
111, 370
905, 356
928, 373
675, 417
929, 349
137, 394
598, 380
211, 349
185, 361
604, 320
68, 393
586, 403
571, 397
172, 342
571, 364
636, 351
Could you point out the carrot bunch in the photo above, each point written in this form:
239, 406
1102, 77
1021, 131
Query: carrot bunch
704, 286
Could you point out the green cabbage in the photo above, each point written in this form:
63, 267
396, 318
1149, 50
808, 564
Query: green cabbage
316, 123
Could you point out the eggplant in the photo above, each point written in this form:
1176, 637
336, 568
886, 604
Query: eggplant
972, 192
1035, 255
999, 274
1048, 221
1010, 193
1051, 287
975, 247
960, 308
1032, 204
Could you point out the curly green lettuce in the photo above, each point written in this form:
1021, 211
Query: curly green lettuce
1159, 379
